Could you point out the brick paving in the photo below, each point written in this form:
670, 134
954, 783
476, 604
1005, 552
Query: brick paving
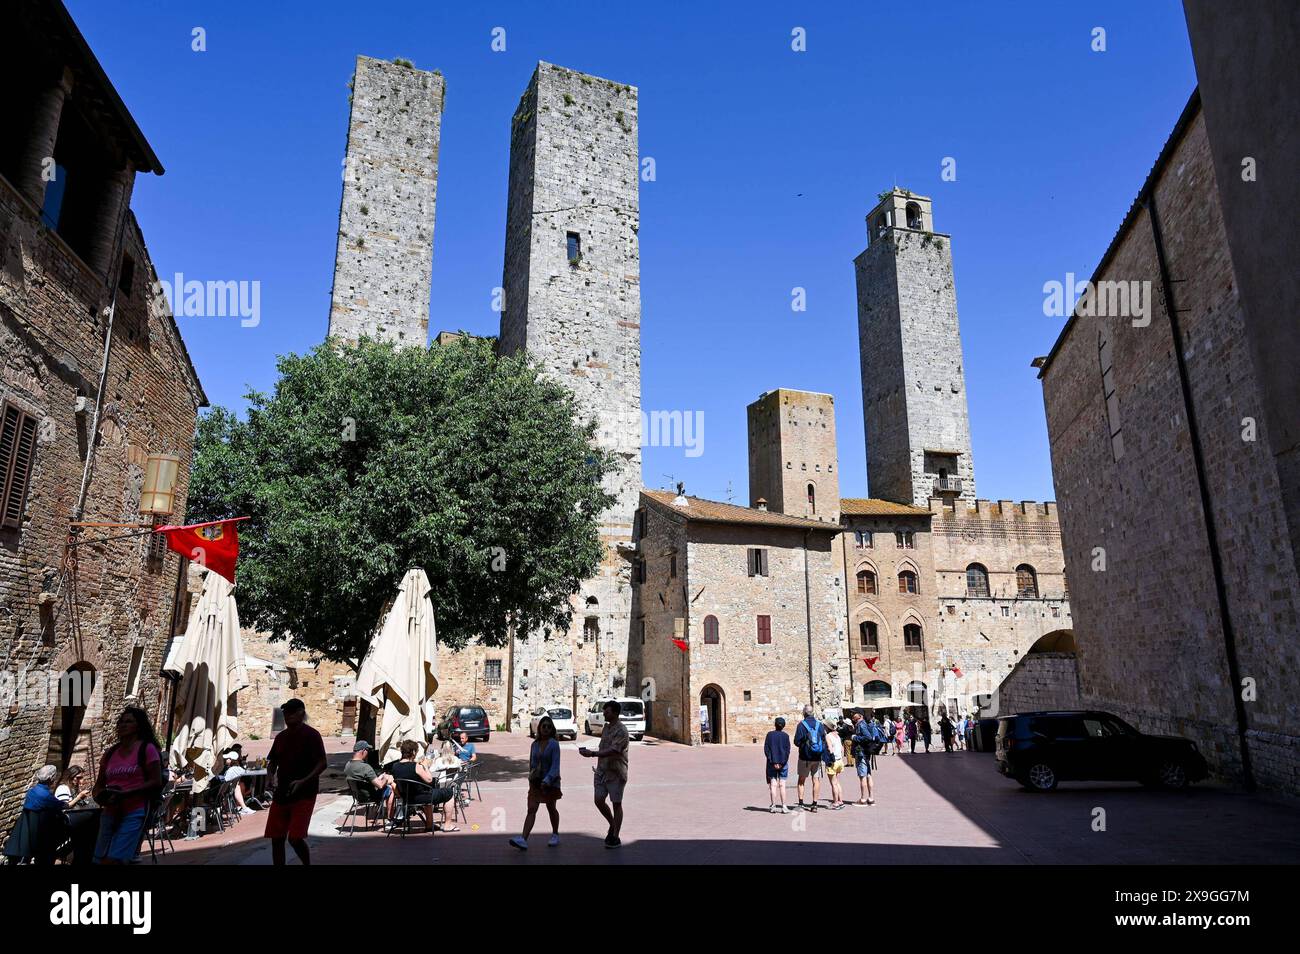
709, 805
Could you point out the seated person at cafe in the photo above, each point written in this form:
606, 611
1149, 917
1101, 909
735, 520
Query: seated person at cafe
41, 833
465, 749
360, 770
233, 772
418, 796
70, 791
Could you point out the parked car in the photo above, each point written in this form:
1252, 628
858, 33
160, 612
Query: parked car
632, 715
1040, 749
470, 719
565, 726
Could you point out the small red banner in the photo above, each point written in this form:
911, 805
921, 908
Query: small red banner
214, 545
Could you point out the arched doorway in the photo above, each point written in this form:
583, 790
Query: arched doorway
69, 730
713, 715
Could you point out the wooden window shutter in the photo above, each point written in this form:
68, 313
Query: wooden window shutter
764, 629
17, 452
762, 556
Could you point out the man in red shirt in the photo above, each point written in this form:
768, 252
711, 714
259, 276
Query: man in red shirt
294, 767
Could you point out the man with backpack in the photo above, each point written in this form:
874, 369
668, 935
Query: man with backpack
868, 739
810, 740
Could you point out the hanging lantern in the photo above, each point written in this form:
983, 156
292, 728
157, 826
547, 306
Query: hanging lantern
159, 494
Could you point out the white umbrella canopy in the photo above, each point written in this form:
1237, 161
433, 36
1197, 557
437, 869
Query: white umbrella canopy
401, 666
210, 661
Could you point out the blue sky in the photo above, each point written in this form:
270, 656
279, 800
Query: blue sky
767, 161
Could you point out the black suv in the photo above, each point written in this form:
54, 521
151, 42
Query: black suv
471, 719
1039, 749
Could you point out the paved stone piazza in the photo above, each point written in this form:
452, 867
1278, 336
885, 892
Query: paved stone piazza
708, 805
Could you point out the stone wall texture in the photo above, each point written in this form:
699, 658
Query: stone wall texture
913, 380
113, 616
1040, 682
792, 447
574, 172
384, 255
1149, 628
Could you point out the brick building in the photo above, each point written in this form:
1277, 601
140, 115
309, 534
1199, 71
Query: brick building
95, 386
1171, 432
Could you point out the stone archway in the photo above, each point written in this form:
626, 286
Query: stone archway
713, 703
72, 717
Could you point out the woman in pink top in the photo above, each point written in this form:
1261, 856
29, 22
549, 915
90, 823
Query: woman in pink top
130, 776
898, 736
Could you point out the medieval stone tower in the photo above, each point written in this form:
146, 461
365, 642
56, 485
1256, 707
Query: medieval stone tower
792, 455
913, 386
572, 299
384, 255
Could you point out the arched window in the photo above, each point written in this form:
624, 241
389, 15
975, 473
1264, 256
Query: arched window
711, 629
812, 499
913, 215
1026, 582
977, 580
866, 582
876, 689
916, 693
912, 637
907, 582
868, 634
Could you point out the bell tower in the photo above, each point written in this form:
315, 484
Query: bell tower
913, 384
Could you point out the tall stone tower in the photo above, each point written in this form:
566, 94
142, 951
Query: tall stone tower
384, 255
573, 301
792, 456
913, 387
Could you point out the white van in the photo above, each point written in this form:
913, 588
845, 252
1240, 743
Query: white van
632, 715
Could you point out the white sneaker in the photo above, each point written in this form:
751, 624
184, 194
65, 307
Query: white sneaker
247, 811
772, 809
520, 843
554, 842
784, 810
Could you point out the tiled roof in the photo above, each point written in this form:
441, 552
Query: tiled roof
871, 507
711, 511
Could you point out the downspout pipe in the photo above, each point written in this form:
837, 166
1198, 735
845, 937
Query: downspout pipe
807, 607
1202, 486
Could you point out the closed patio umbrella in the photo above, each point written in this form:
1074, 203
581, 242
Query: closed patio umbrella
401, 667
210, 662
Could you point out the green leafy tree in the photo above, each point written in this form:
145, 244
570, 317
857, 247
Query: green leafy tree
370, 460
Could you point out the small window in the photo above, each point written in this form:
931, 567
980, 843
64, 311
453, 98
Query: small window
863, 538
492, 672
126, 276
590, 629
17, 458
907, 582
912, 637
574, 247
749, 697
764, 630
133, 673
1026, 582
905, 539
913, 215
869, 635
867, 582
812, 499
711, 630
977, 580
672, 565
757, 561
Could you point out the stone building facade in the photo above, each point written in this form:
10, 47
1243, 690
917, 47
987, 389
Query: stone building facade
913, 380
81, 637
756, 597
384, 255
805, 487
1165, 446
573, 301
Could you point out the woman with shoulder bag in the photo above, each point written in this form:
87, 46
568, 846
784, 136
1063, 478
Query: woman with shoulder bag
543, 783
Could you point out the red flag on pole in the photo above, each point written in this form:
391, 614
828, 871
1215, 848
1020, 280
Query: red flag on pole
214, 545
680, 644
871, 663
